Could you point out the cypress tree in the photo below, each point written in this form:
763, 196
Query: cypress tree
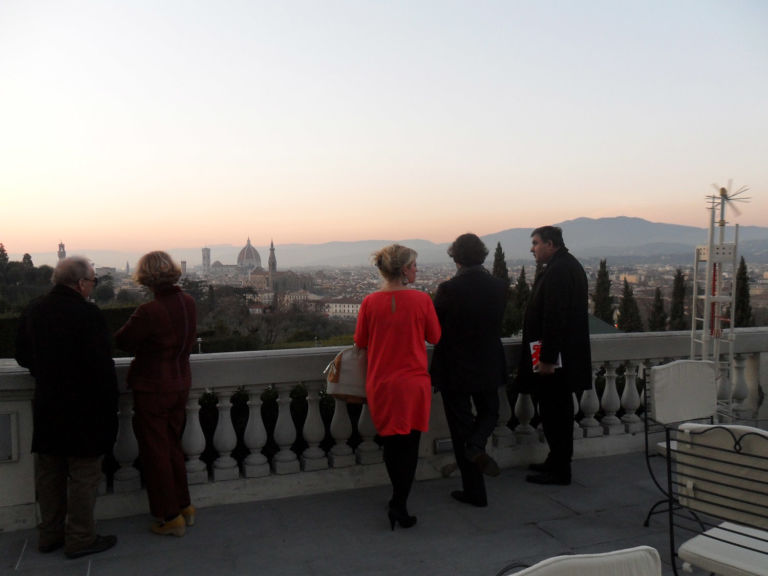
677, 320
603, 302
657, 319
743, 313
500, 264
629, 313
513, 316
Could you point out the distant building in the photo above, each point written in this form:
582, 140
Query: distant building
249, 258
62, 252
183, 267
272, 258
343, 308
206, 261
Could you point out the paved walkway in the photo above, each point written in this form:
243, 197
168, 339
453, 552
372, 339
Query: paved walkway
347, 533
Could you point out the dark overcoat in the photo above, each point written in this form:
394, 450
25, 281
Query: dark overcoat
64, 342
470, 307
557, 314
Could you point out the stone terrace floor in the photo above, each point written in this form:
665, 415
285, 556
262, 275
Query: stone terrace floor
347, 533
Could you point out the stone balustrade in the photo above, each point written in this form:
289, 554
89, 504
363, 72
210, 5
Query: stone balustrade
259, 425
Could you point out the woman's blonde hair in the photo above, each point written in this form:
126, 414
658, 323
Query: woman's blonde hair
391, 260
156, 268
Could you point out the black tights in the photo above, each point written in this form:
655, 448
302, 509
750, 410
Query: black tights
401, 454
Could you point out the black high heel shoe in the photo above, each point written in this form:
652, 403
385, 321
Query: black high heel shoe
400, 517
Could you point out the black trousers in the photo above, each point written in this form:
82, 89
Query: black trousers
555, 401
401, 455
470, 431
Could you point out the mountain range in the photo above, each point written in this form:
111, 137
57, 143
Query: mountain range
633, 240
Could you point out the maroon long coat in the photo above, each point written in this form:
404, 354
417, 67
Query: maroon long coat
161, 335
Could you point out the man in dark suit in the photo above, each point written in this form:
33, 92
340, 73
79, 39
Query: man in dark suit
64, 341
468, 365
556, 328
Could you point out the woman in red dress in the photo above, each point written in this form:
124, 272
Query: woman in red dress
393, 325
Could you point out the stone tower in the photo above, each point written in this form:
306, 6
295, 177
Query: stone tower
272, 259
62, 252
206, 261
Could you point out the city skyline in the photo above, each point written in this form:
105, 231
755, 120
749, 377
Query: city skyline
157, 125
613, 238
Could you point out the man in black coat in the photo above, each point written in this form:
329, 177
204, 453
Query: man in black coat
468, 365
556, 330
64, 341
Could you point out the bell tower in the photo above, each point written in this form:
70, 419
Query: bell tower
272, 259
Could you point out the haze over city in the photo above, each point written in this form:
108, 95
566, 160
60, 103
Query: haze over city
146, 125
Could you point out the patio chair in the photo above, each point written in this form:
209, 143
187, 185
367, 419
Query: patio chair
718, 481
680, 391
638, 561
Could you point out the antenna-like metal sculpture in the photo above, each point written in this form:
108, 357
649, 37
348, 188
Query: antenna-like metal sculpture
713, 303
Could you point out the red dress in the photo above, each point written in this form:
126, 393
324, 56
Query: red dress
393, 326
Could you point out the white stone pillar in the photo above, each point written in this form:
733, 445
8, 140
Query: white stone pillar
740, 389
630, 400
256, 464
285, 461
193, 441
577, 433
224, 438
610, 402
341, 454
368, 452
724, 400
589, 407
524, 412
313, 457
126, 450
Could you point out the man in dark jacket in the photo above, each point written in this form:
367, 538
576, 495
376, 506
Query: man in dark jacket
468, 364
555, 360
64, 341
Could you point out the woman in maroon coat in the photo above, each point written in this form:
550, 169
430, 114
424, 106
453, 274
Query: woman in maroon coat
161, 334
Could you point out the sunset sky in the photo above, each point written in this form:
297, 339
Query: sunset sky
160, 124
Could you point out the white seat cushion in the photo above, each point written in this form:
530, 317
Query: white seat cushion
639, 561
728, 558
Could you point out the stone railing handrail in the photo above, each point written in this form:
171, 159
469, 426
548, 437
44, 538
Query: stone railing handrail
319, 450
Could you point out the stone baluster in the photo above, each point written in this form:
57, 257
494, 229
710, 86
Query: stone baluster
589, 407
630, 400
610, 402
224, 438
724, 400
368, 452
577, 433
341, 454
285, 461
524, 412
740, 388
193, 441
502, 435
127, 477
314, 458
256, 464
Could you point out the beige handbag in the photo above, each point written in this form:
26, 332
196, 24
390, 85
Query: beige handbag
345, 375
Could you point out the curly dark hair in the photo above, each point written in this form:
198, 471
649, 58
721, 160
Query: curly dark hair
468, 250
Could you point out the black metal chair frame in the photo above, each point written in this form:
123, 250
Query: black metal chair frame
708, 484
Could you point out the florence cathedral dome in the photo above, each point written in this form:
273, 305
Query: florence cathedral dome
249, 258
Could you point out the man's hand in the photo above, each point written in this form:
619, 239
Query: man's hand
545, 368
